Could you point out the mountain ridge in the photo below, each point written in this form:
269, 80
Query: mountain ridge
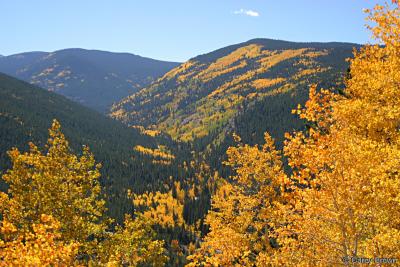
280, 42
207, 92
94, 78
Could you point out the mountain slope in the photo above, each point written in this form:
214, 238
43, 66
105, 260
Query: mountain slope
26, 112
204, 96
93, 78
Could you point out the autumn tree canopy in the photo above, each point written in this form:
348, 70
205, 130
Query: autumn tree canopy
53, 213
57, 183
341, 199
331, 196
242, 219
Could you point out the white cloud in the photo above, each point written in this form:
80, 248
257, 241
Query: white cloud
246, 12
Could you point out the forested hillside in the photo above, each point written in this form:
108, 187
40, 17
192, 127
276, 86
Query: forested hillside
176, 190
93, 78
338, 203
26, 112
246, 87
264, 153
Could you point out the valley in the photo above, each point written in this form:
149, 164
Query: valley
258, 153
164, 147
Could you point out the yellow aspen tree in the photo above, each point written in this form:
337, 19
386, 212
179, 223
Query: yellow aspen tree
133, 245
346, 166
162, 208
58, 183
66, 187
41, 247
341, 204
243, 218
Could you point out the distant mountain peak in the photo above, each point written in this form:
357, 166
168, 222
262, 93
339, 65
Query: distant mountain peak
83, 75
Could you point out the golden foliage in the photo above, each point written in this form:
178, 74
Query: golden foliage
145, 131
41, 247
181, 70
309, 72
65, 187
229, 63
349, 158
278, 56
161, 154
221, 103
242, 217
263, 83
152, 133
133, 245
56, 183
341, 202
162, 208
203, 96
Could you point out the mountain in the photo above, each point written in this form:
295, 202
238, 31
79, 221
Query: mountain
26, 112
93, 78
247, 88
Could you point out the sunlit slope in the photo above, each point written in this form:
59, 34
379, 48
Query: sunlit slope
205, 94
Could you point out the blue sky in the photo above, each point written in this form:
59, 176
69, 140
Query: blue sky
174, 30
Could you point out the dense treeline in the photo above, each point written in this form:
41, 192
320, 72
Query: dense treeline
54, 193
53, 213
26, 113
323, 193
